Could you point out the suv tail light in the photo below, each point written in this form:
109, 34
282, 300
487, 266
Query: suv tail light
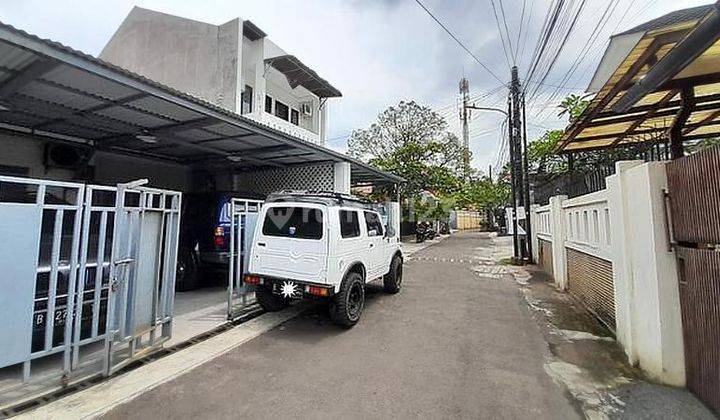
318, 291
219, 238
250, 279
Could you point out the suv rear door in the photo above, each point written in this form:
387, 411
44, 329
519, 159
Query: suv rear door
292, 243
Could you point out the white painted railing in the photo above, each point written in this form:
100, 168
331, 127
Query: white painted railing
544, 223
290, 128
587, 224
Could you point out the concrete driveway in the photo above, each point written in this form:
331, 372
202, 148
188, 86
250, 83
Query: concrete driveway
451, 344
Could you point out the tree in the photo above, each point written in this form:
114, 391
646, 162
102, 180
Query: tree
573, 106
542, 158
412, 141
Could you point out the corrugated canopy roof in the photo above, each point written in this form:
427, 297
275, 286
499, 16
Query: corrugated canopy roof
47, 89
643, 98
298, 74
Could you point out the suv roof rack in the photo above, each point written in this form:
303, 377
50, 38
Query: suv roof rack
323, 197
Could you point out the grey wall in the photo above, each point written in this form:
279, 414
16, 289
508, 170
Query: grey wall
26, 152
109, 169
193, 57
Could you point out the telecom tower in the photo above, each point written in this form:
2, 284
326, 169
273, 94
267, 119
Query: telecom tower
465, 92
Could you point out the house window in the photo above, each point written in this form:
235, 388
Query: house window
246, 100
282, 110
349, 224
295, 116
268, 104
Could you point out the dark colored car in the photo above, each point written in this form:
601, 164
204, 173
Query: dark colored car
204, 236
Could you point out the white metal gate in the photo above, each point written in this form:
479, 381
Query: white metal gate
243, 220
142, 273
61, 243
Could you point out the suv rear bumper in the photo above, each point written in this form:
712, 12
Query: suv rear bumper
302, 288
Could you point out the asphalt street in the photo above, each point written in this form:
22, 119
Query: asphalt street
456, 342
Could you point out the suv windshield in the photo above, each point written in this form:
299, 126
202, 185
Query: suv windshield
293, 222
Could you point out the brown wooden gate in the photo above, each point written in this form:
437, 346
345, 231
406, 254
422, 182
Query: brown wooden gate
694, 190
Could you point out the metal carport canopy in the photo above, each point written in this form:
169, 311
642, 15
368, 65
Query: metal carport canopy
644, 99
53, 91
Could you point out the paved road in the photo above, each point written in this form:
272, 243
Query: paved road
451, 344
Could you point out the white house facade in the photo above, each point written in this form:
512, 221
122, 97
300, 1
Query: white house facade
233, 65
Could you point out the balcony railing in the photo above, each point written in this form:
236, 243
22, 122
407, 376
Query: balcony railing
290, 128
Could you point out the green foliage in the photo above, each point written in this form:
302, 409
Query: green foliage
701, 145
542, 158
482, 194
573, 106
412, 141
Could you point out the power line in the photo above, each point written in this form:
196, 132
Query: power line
561, 47
520, 29
507, 32
452, 35
500, 32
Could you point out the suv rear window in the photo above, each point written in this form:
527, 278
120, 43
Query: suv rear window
349, 224
293, 222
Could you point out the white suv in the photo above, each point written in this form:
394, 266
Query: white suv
322, 246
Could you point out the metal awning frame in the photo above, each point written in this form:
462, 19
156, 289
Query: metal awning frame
621, 105
281, 146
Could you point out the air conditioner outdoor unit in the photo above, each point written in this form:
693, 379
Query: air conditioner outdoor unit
306, 109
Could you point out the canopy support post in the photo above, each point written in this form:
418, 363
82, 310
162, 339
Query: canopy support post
687, 100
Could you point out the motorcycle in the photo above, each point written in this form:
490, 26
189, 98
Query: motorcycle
424, 231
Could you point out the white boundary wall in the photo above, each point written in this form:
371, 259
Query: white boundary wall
626, 224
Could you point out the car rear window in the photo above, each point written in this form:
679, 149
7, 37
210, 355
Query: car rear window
293, 222
349, 224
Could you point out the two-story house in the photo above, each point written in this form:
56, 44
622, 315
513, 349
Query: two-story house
233, 65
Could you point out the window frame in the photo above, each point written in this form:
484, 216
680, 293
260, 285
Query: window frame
279, 104
284, 236
368, 228
269, 102
357, 232
246, 97
294, 116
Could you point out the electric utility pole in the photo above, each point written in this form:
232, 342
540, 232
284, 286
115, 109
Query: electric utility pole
465, 92
526, 185
516, 161
513, 179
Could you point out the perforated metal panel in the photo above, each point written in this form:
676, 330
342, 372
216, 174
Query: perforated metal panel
314, 177
590, 279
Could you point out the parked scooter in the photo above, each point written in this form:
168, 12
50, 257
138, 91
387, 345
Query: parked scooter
424, 231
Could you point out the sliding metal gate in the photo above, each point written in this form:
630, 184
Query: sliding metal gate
77, 261
243, 220
694, 191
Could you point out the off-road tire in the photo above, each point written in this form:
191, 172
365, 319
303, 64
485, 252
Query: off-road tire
187, 271
392, 281
269, 301
347, 305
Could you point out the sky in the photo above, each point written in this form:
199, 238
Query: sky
380, 52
